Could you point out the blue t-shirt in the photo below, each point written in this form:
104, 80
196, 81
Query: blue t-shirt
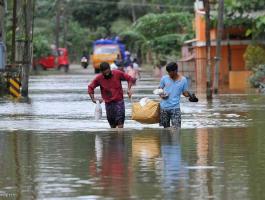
174, 89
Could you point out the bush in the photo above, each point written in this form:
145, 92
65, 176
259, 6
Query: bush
41, 46
257, 80
254, 57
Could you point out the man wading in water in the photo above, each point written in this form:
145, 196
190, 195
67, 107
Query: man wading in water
173, 86
112, 93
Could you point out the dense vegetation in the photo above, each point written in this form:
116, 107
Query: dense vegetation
150, 28
84, 21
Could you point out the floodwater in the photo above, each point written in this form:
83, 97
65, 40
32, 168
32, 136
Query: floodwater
53, 148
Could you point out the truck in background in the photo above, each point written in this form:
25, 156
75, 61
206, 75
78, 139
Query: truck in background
106, 50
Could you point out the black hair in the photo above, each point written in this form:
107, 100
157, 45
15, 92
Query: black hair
172, 66
119, 63
103, 66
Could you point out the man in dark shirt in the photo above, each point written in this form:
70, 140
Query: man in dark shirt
112, 93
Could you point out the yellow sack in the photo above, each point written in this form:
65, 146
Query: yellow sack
147, 114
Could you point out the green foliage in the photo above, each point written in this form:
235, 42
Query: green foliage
247, 14
93, 15
258, 29
168, 43
134, 40
86, 21
255, 61
236, 7
119, 25
161, 34
41, 46
100, 32
257, 79
76, 39
254, 56
155, 25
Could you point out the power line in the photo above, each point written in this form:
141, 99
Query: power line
139, 4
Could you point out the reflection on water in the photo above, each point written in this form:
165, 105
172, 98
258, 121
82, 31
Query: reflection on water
52, 148
147, 164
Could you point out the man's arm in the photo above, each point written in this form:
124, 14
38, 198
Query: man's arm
129, 92
192, 97
130, 81
90, 89
92, 97
186, 93
163, 95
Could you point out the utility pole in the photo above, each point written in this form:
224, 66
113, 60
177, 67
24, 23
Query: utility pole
64, 14
208, 50
229, 53
27, 56
58, 22
14, 27
64, 27
2, 43
2, 14
218, 45
133, 11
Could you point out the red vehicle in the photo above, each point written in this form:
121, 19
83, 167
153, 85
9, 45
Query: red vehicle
57, 60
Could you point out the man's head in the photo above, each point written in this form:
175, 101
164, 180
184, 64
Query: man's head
172, 69
105, 70
119, 64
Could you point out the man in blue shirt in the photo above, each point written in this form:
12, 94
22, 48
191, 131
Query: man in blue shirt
173, 86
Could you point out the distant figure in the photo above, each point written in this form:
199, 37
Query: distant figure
158, 71
133, 70
84, 60
86, 55
117, 64
127, 59
118, 59
159, 68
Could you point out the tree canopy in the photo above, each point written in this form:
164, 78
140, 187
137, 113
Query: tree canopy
156, 25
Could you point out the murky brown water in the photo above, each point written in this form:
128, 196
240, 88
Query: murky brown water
52, 148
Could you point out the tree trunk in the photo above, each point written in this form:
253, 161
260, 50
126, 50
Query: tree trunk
218, 45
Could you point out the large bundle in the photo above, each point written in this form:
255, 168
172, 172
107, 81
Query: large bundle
146, 111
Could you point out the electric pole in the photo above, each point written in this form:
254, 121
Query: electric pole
2, 37
58, 22
2, 14
208, 50
14, 27
27, 53
218, 45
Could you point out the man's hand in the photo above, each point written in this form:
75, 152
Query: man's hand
164, 96
193, 98
129, 93
95, 100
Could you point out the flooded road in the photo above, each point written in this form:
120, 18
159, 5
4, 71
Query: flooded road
53, 148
